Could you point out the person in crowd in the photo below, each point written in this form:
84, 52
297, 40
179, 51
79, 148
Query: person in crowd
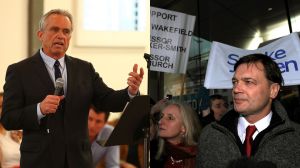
100, 131
258, 127
178, 131
155, 115
218, 107
9, 145
54, 120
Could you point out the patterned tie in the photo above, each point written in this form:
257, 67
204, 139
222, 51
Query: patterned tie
57, 73
57, 70
248, 140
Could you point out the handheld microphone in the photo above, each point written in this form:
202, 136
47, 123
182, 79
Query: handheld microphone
59, 86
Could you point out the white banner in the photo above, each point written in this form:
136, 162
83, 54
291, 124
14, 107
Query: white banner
171, 34
285, 51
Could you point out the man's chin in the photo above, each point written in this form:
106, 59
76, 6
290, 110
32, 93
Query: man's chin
239, 109
58, 51
58, 54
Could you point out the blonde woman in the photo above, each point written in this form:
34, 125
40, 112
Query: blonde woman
178, 130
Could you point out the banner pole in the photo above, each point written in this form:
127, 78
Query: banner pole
146, 129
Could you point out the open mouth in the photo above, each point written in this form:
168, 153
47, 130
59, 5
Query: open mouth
59, 43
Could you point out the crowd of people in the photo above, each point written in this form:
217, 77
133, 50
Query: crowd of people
43, 128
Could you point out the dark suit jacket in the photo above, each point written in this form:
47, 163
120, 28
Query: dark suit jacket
27, 83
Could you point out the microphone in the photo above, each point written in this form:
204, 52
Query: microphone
59, 86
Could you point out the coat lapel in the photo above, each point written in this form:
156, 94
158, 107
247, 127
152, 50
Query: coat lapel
42, 72
70, 76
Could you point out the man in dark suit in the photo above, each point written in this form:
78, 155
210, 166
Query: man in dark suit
55, 133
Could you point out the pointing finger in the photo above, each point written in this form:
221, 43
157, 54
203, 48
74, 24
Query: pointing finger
135, 67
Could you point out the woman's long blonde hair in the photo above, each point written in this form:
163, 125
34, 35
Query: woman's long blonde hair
190, 122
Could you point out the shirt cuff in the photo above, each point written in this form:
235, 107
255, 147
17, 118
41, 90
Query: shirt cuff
40, 115
132, 96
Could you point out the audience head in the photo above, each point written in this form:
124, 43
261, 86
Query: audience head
96, 121
155, 115
218, 106
178, 123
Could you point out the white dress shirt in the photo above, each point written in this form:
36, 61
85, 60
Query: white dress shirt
260, 126
49, 63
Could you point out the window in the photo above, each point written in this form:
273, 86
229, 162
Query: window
114, 15
112, 23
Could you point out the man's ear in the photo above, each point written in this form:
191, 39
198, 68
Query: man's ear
39, 34
275, 87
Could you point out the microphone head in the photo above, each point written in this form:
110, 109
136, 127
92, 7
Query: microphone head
59, 83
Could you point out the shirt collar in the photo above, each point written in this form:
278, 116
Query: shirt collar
260, 125
50, 61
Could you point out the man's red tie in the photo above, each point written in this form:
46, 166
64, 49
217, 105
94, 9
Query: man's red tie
248, 140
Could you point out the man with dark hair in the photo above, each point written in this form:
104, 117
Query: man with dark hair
258, 127
218, 107
99, 131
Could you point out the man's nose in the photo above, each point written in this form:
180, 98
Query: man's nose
60, 34
237, 88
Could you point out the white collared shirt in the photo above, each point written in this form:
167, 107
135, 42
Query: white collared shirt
49, 63
260, 126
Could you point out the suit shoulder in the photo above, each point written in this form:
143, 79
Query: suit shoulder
26, 61
78, 61
212, 130
79, 65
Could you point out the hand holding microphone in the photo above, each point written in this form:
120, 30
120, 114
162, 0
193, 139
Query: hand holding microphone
51, 103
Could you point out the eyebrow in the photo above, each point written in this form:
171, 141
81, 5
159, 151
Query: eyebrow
244, 78
247, 78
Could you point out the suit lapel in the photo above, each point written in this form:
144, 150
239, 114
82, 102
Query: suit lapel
42, 72
70, 76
